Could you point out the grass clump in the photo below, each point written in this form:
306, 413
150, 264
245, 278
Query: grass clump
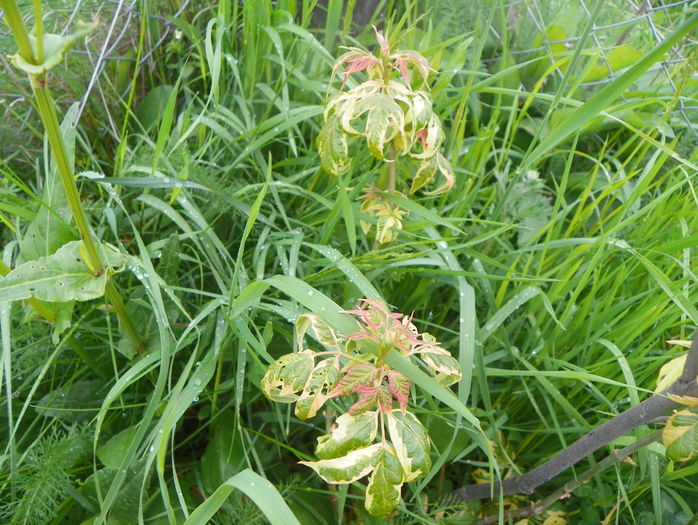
554, 269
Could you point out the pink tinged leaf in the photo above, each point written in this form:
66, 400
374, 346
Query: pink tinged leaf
364, 404
355, 377
385, 47
385, 399
400, 388
404, 72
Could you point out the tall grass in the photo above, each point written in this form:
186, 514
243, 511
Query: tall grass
556, 269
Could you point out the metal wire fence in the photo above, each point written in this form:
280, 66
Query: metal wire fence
88, 76
627, 26
538, 26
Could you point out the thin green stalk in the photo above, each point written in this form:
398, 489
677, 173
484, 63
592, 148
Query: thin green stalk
49, 117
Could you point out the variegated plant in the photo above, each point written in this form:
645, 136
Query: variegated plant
395, 118
374, 437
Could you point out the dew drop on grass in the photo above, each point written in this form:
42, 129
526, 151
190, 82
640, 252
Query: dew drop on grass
151, 449
310, 292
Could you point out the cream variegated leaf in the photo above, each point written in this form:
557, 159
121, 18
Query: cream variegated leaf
287, 376
428, 169
444, 366
384, 122
680, 435
349, 433
385, 484
411, 442
347, 469
419, 111
333, 148
322, 380
430, 138
324, 333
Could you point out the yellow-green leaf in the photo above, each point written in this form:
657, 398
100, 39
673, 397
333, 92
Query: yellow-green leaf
680, 435
347, 469
322, 380
385, 484
411, 442
288, 375
333, 148
324, 333
445, 367
350, 433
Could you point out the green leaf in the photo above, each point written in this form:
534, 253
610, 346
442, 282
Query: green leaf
288, 375
111, 454
617, 58
680, 435
332, 147
411, 442
323, 331
385, 484
350, 433
255, 487
60, 277
347, 469
54, 47
322, 380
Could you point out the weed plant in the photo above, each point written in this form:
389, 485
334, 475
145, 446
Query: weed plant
555, 269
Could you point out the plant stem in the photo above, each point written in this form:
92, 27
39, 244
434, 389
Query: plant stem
391, 169
641, 414
49, 117
568, 488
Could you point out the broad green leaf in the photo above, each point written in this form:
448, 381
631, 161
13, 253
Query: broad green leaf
288, 375
445, 367
54, 47
617, 58
111, 454
385, 484
60, 277
411, 442
332, 147
355, 376
322, 380
322, 330
680, 435
350, 433
347, 469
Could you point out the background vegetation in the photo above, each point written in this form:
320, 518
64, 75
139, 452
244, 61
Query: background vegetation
555, 274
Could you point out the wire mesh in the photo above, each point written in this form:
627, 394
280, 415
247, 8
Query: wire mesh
638, 25
538, 26
90, 73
